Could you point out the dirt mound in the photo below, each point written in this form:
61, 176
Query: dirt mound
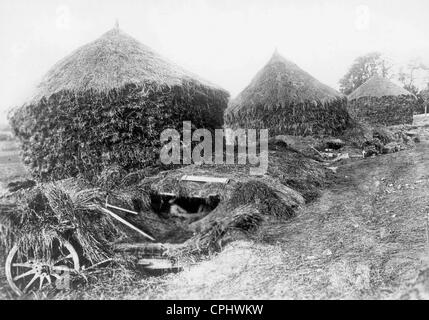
241, 204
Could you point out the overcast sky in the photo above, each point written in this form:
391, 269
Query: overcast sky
226, 42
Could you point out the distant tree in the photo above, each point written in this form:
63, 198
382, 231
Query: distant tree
407, 75
363, 68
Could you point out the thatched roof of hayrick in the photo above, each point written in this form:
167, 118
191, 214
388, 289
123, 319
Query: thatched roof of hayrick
378, 87
110, 62
282, 83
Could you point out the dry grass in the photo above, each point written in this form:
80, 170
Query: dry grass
65, 210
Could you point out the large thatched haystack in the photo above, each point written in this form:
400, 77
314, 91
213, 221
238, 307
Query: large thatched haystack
381, 102
287, 100
107, 103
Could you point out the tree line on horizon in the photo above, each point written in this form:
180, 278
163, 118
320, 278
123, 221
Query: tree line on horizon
375, 63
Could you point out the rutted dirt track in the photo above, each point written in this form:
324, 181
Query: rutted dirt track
365, 238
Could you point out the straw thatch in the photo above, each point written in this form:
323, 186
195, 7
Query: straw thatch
106, 104
381, 102
378, 87
64, 210
287, 100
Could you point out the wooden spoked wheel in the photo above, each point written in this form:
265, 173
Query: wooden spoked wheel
27, 272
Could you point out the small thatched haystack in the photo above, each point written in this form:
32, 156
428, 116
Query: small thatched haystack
107, 103
381, 102
287, 100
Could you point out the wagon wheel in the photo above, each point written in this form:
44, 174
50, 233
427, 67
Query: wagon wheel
26, 272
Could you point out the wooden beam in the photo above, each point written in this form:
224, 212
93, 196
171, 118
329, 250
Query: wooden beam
170, 194
204, 179
121, 209
115, 216
140, 246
